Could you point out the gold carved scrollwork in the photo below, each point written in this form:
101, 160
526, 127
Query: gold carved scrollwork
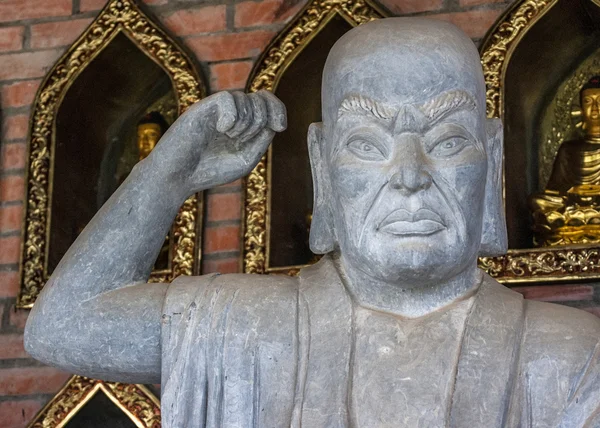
568, 263
136, 401
500, 43
266, 75
117, 16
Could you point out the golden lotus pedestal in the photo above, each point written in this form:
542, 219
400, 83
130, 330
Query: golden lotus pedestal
573, 218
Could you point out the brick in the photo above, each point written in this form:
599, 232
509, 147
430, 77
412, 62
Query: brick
15, 10
89, 5
18, 317
474, 22
18, 413
11, 38
53, 34
10, 247
467, 3
557, 293
221, 266
12, 346
19, 94
229, 75
236, 183
9, 285
403, 7
207, 19
266, 12
225, 47
12, 188
11, 218
223, 206
27, 65
13, 156
222, 238
15, 127
31, 380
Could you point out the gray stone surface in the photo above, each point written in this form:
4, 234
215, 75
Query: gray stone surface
394, 327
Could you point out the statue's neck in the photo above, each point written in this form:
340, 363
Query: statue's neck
592, 134
408, 300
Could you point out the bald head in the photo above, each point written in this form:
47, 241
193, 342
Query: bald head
406, 167
402, 61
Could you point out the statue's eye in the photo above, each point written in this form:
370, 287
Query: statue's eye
365, 149
449, 146
587, 100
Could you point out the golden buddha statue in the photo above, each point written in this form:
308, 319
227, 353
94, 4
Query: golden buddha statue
568, 211
149, 130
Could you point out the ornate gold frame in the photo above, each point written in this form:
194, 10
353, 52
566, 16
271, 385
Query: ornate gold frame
136, 401
266, 74
531, 265
117, 16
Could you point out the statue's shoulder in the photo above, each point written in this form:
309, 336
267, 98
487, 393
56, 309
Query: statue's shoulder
242, 289
565, 331
545, 322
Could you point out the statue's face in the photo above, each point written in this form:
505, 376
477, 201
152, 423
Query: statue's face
590, 107
148, 135
408, 182
404, 132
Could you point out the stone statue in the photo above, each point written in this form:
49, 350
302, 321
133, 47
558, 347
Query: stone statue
394, 327
568, 211
150, 129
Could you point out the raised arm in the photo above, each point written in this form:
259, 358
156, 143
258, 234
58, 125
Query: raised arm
96, 316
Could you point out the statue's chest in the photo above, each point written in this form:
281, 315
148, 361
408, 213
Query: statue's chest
404, 370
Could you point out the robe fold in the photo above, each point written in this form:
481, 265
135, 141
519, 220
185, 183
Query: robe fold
274, 351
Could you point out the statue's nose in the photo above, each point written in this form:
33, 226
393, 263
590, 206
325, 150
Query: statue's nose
411, 173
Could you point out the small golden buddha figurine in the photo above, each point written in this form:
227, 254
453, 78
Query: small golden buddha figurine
149, 130
568, 211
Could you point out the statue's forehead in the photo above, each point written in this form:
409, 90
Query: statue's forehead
402, 62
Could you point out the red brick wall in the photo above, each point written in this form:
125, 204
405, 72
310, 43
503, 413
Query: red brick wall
226, 37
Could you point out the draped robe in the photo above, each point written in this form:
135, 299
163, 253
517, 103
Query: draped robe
274, 351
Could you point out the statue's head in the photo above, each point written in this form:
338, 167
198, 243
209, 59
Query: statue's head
590, 105
406, 167
149, 130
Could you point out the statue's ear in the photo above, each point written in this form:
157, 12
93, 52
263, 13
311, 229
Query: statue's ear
321, 229
494, 241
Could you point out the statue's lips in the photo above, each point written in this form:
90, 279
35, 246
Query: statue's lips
405, 223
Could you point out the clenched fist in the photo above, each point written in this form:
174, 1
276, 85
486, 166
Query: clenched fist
218, 139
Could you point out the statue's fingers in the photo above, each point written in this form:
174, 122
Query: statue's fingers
226, 111
257, 147
277, 113
260, 115
244, 115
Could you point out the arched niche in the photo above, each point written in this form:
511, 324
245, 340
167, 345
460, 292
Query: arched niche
278, 199
88, 403
535, 59
82, 138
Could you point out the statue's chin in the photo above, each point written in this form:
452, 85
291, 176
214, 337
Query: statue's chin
410, 269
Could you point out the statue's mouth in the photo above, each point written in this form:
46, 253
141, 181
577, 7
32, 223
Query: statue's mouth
405, 223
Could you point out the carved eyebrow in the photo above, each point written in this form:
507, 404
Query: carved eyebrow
357, 104
434, 109
448, 102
